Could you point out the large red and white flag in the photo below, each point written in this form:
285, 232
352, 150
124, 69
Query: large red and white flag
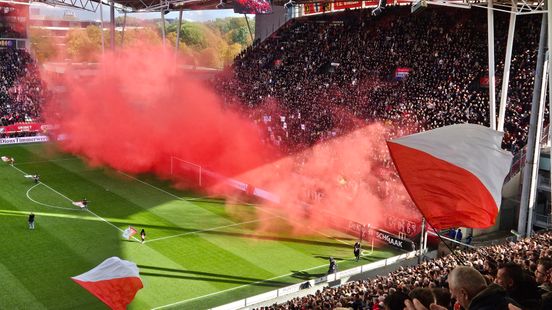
454, 174
114, 281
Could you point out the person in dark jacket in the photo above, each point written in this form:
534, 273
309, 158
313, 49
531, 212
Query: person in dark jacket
470, 290
333, 267
356, 251
519, 286
31, 221
143, 235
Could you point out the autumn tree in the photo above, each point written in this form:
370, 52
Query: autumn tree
42, 44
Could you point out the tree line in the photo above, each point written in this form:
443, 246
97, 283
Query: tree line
212, 44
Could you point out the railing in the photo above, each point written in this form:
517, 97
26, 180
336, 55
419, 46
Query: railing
543, 219
519, 159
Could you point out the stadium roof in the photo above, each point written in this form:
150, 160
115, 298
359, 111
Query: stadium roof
522, 6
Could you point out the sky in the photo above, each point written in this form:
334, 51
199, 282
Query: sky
198, 16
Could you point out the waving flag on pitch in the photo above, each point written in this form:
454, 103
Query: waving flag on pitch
114, 281
129, 232
454, 174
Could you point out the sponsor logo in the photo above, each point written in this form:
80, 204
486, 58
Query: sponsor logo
389, 239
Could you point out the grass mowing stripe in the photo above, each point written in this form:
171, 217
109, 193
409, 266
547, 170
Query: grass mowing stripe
204, 230
308, 227
86, 209
234, 288
46, 161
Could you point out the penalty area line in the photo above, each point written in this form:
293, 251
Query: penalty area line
208, 229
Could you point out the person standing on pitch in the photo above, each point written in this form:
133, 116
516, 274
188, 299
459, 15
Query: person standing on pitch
36, 178
31, 221
143, 235
333, 266
357, 251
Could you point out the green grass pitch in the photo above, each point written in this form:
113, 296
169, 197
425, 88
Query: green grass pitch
200, 253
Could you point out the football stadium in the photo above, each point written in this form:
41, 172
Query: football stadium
255, 154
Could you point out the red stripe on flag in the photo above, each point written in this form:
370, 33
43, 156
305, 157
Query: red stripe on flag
447, 195
116, 293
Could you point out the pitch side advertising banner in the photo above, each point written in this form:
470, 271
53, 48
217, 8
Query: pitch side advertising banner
24, 140
381, 235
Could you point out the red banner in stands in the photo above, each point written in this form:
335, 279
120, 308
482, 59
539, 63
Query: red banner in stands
484, 81
23, 127
371, 3
402, 73
314, 8
347, 5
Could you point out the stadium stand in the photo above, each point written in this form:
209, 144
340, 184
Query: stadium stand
324, 71
491, 261
21, 90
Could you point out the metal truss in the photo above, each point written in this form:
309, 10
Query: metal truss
522, 7
86, 5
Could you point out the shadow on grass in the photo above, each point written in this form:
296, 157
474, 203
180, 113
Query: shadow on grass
207, 276
303, 275
328, 257
236, 234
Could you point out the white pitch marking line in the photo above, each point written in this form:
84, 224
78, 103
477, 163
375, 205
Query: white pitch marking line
204, 230
45, 204
101, 218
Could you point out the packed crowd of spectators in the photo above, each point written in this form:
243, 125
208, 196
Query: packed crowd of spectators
323, 76
519, 273
21, 89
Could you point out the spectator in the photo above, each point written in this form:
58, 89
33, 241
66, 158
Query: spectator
459, 235
470, 290
519, 286
395, 301
541, 275
424, 295
21, 89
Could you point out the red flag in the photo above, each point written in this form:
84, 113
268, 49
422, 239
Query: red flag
454, 174
114, 281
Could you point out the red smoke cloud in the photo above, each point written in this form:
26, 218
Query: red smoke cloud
347, 177
138, 111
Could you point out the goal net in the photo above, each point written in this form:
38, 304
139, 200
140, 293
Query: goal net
188, 171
